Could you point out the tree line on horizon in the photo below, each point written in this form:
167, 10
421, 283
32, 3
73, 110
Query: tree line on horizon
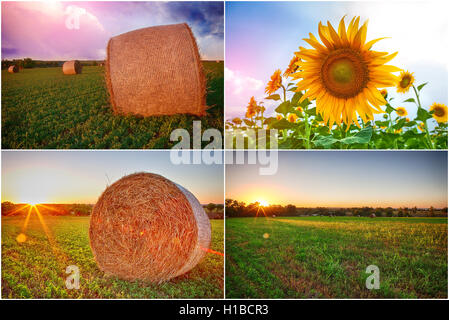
28, 63
236, 208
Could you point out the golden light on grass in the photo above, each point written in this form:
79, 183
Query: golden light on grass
405, 82
343, 74
439, 112
21, 238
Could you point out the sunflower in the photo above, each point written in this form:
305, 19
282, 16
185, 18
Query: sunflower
407, 120
279, 117
439, 112
292, 67
275, 82
384, 92
421, 126
406, 80
237, 121
251, 108
299, 109
398, 130
292, 117
401, 111
343, 74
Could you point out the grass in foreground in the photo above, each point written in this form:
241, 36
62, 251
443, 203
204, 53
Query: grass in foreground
324, 257
43, 108
35, 269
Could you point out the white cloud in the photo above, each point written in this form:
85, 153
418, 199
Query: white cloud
237, 83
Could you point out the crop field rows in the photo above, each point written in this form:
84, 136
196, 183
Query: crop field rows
43, 108
36, 267
322, 257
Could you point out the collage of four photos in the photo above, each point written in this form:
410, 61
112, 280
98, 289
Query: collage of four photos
224, 150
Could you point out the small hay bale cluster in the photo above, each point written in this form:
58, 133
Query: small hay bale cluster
156, 71
146, 227
13, 69
72, 67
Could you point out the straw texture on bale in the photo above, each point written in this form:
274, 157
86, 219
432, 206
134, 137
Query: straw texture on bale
146, 227
13, 69
72, 67
156, 71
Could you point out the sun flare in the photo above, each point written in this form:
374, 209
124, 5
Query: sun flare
263, 203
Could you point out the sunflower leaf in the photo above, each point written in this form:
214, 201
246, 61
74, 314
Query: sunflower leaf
282, 124
293, 89
324, 141
275, 97
284, 108
310, 112
423, 114
363, 136
409, 100
389, 109
422, 86
249, 123
296, 98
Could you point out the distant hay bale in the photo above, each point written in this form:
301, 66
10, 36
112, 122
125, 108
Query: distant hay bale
372, 215
146, 227
72, 67
13, 69
156, 71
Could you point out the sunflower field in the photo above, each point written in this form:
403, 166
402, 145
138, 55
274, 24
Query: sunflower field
328, 96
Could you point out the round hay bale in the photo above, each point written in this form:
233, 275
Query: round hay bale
72, 67
156, 71
146, 227
13, 69
372, 215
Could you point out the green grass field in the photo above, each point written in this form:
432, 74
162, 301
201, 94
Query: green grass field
36, 269
42, 108
323, 257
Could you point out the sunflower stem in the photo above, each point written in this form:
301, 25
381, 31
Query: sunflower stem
306, 119
429, 140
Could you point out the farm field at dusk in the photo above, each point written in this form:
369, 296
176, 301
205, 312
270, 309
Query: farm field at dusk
326, 257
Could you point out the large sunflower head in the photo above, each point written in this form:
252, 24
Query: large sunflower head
274, 83
343, 74
401, 111
292, 66
439, 112
405, 81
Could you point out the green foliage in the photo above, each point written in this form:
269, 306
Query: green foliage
36, 269
42, 108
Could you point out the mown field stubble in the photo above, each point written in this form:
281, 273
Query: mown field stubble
36, 267
43, 108
326, 257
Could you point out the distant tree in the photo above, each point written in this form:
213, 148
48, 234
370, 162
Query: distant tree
431, 212
7, 207
210, 206
28, 63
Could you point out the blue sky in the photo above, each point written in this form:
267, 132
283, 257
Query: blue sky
81, 176
262, 36
345, 179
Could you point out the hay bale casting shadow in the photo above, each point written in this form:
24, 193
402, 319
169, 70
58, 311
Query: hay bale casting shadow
146, 227
72, 67
13, 69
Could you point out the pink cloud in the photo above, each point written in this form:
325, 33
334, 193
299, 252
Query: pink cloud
39, 30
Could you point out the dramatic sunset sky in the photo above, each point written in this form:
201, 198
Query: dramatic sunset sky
261, 37
345, 179
38, 29
80, 177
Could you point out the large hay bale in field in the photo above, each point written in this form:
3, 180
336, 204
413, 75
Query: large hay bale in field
13, 69
72, 67
146, 227
156, 71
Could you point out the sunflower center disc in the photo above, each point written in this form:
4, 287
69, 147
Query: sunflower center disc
344, 74
405, 82
439, 112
